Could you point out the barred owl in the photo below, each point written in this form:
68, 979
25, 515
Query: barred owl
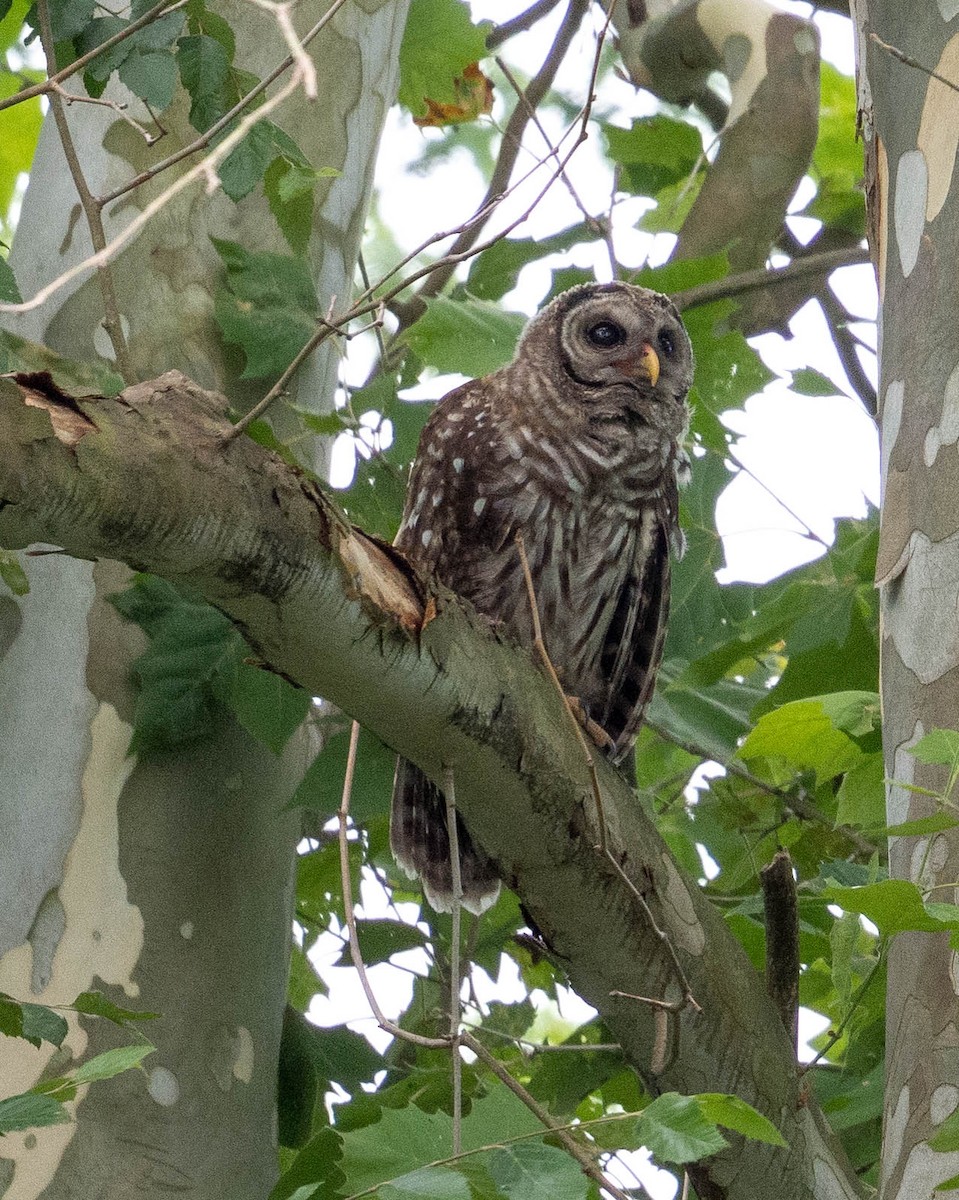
577, 445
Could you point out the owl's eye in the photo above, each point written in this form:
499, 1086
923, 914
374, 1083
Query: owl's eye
606, 334
667, 343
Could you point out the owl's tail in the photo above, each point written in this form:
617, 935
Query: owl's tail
420, 843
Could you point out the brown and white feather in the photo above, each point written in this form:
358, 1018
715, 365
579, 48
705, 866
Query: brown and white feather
577, 448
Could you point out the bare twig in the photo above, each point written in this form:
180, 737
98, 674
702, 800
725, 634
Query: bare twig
282, 10
512, 139
520, 24
91, 208
69, 98
204, 169
456, 912
598, 225
343, 813
78, 64
570, 1144
909, 61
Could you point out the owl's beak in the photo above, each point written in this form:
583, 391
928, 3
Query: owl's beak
649, 363
646, 366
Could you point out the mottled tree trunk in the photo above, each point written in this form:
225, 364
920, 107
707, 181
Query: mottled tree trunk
166, 884
910, 125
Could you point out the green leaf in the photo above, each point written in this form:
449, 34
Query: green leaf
381, 939
940, 746
267, 308
494, 272
68, 17
12, 574
936, 823
322, 784
151, 75
946, 1137
532, 1171
35, 1023
94, 34
810, 737
428, 1183
894, 905
31, 1111
675, 1130
843, 938
733, 1113
654, 153
9, 292
472, 337
190, 645
808, 382
439, 42
862, 794
290, 193
97, 1005
112, 1062
19, 130
204, 70
266, 704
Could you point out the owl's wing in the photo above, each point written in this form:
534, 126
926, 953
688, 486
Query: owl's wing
452, 524
633, 647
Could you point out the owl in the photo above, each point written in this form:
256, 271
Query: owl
577, 445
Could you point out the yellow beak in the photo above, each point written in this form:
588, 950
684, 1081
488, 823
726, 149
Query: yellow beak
650, 363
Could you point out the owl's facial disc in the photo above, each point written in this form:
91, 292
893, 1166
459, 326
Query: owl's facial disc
614, 335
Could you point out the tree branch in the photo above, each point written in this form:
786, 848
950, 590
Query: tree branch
342, 614
763, 277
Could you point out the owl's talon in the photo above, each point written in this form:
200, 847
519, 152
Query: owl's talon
594, 731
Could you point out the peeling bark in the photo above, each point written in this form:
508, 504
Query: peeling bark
909, 123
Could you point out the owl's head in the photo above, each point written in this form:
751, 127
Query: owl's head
615, 334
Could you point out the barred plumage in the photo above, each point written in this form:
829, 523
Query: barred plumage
576, 444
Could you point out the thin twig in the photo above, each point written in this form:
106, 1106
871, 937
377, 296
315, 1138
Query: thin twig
203, 169
854, 1003
573, 1147
597, 225
70, 98
78, 64
512, 139
91, 209
793, 797
520, 24
343, 813
282, 10
909, 61
456, 911
687, 998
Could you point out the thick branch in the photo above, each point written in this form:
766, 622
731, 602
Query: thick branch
145, 477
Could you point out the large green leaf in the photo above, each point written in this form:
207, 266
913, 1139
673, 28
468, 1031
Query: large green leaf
439, 42
472, 337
